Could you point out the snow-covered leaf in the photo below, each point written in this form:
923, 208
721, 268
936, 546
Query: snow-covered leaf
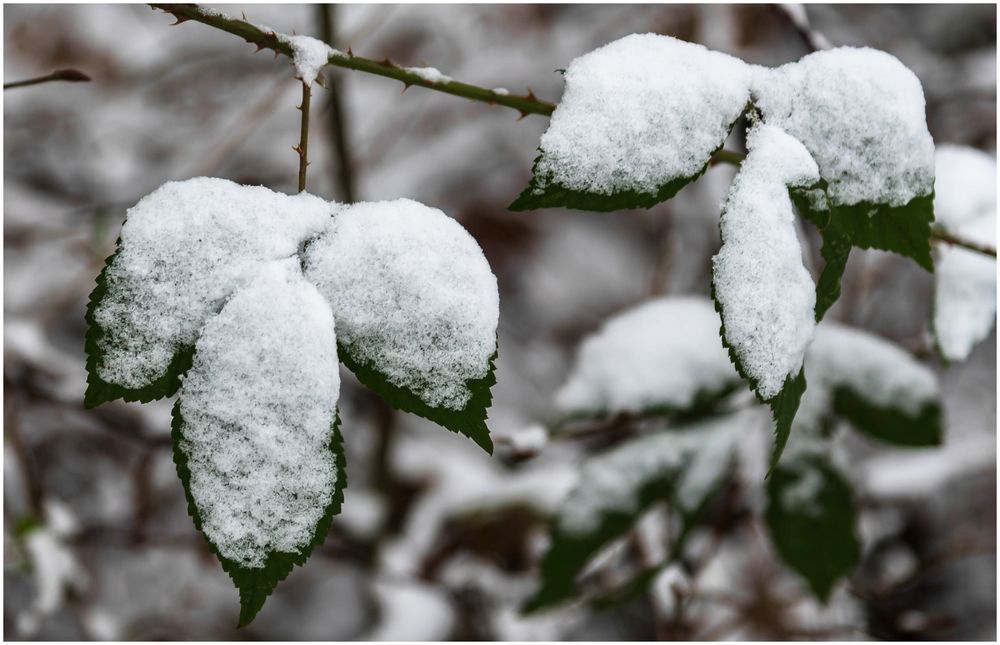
684, 465
761, 289
184, 249
860, 114
873, 384
965, 282
255, 433
811, 516
639, 119
661, 357
416, 306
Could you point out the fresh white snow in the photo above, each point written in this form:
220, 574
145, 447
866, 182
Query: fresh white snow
640, 112
258, 406
700, 453
860, 113
663, 353
413, 296
965, 203
185, 247
767, 295
874, 369
309, 55
429, 74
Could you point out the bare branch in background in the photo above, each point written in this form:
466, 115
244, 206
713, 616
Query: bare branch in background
70, 75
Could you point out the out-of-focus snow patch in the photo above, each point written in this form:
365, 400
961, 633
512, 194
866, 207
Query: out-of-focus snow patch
55, 568
914, 476
662, 354
410, 610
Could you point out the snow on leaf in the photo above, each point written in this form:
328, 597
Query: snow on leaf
811, 516
763, 292
183, 249
860, 114
416, 307
639, 119
684, 465
965, 201
875, 385
255, 438
661, 356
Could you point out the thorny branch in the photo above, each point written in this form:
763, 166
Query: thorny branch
527, 104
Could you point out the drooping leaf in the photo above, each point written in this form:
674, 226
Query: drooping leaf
624, 136
255, 429
763, 293
416, 307
860, 114
682, 466
184, 248
661, 358
811, 517
879, 388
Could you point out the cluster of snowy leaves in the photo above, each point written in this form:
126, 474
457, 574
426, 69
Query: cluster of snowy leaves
965, 204
245, 301
663, 359
841, 133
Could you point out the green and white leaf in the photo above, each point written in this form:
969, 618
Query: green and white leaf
761, 289
965, 282
683, 466
184, 248
255, 432
661, 357
811, 516
879, 388
639, 119
860, 114
416, 306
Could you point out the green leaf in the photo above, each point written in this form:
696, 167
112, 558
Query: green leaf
100, 391
650, 469
811, 516
783, 405
544, 192
905, 230
469, 421
255, 585
892, 425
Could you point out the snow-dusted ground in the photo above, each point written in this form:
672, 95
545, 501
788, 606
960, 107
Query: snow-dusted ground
415, 553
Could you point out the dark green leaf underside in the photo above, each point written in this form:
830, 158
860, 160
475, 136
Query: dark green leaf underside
818, 541
706, 403
905, 230
544, 192
255, 585
470, 421
570, 552
891, 425
100, 391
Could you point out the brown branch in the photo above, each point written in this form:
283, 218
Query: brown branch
303, 147
941, 235
70, 75
336, 115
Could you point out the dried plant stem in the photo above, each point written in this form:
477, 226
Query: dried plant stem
303, 147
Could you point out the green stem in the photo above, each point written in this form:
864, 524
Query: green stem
303, 147
71, 75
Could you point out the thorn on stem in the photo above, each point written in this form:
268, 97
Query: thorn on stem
350, 53
523, 114
180, 19
531, 95
386, 62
